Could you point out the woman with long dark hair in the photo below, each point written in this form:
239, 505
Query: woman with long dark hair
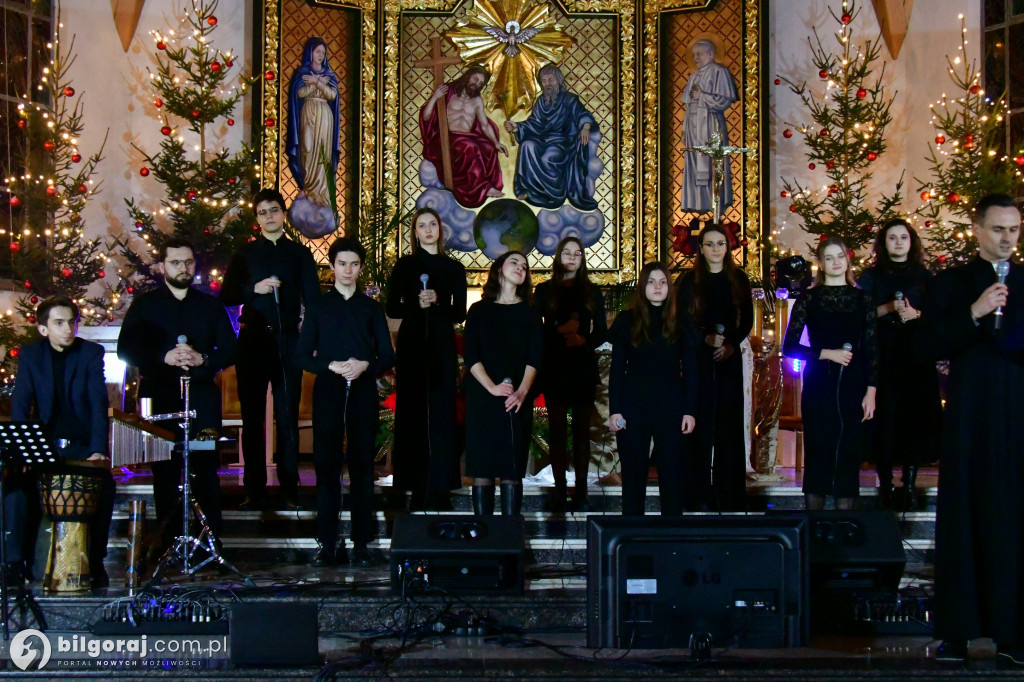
652, 390
909, 407
840, 377
503, 349
717, 294
574, 326
427, 292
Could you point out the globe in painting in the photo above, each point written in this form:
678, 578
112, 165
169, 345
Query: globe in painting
505, 225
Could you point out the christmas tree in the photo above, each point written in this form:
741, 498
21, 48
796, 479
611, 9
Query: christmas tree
205, 186
47, 188
845, 137
967, 161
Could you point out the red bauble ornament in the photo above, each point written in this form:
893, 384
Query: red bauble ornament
214, 285
940, 139
833, 188
67, 272
231, 121
69, 91
270, 75
1019, 160
130, 290
975, 89
872, 156
778, 81
830, 164
928, 223
968, 138
861, 93
195, 113
206, 230
34, 300
102, 273
823, 73
15, 247
270, 122
211, 174
161, 45
211, 20
256, 228
846, 18
166, 130
28, 284
49, 145
76, 158
215, 67
811, 166
191, 196
968, 145
144, 172
792, 208
823, 132
783, 194
926, 195
22, 123
953, 197
15, 352
158, 102
31, 319
229, 63
232, 181
787, 133
822, 237
52, 191
15, 202
82, 189
942, 259
138, 224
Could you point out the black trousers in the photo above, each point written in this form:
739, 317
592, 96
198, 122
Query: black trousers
634, 443
333, 420
167, 490
265, 357
558, 418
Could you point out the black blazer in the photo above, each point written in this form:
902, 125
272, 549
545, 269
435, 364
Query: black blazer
87, 391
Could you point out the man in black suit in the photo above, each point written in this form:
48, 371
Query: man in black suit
60, 383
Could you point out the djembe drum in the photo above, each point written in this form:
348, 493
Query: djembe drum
70, 497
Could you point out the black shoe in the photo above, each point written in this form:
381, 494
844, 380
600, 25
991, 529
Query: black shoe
324, 558
100, 579
1012, 654
952, 651
362, 558
252, 504
909, 498
290, 503
885, 495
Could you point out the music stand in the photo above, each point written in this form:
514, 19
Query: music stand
22, 444
185, 545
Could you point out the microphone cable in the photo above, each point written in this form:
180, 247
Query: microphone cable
848, 347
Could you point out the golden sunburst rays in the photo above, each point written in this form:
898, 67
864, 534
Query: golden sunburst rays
512, 39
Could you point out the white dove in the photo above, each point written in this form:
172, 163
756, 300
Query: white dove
511, 36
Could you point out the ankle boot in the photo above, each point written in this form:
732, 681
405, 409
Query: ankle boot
511, 499
483, 500
885, 488
556, 502
909, 487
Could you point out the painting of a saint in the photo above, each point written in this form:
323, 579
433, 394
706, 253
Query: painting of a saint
557, 148
312, 147
473, 138
708, 94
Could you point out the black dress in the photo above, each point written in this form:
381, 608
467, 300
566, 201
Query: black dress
979, 525
506, 339
719, 473
426, 367
835, 436
908, 388
653, 385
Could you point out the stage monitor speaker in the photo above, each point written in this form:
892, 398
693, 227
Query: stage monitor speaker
855, 551
666, 582
274, 633
461, 553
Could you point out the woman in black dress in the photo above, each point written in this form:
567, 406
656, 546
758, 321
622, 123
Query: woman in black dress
717, 294
427, 292
503, 349
574, 326
909, 407
840, 378
652, 391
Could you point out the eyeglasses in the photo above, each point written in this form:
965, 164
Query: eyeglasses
268, 211
715, 245
572, 254
181, 263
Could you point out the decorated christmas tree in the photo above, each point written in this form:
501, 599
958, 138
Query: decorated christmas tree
844, 138
967, 161
47, 188
206, 187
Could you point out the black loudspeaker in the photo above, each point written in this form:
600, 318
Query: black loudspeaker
855, 551
274, 633
467, 554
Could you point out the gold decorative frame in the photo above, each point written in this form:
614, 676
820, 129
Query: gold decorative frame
638, 155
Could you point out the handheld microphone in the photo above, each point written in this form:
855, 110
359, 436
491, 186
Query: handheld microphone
507, 380
848, 347
1002, 270
620, 422
277, 296
424, 278
182, 338
898, 295
719, 329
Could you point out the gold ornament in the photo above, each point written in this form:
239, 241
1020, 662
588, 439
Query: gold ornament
512, 39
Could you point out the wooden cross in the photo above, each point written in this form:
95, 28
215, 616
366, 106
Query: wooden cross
436, 63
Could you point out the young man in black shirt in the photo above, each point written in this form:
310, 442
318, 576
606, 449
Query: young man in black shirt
346, 343
152, 339
272, 277
60, 383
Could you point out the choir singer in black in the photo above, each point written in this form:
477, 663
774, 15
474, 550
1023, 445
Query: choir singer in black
974, 316
346, 343
167, 332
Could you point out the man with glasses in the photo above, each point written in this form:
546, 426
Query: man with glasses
272, 277
167, 332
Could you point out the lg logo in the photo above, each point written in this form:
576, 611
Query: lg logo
24, 649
